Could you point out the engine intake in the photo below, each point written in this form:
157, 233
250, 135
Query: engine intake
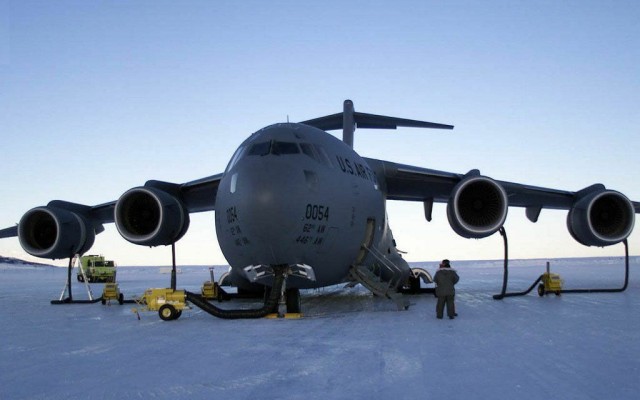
150, 217
477, 207
54, 233
601, 219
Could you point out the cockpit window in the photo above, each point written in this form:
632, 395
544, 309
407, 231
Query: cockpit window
260, 149
278, 148
324, 157
238, 155
274, 147
308, 150
316, 152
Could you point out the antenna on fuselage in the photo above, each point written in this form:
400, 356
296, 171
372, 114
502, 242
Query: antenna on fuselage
349, 119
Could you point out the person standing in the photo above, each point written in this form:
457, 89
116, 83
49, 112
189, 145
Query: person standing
445, 280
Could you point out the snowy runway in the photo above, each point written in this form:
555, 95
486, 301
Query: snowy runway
350, 345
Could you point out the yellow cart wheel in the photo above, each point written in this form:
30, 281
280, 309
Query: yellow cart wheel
167, 312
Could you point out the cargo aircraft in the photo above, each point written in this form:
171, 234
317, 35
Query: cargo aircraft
297, 208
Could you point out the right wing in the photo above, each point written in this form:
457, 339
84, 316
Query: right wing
477, 205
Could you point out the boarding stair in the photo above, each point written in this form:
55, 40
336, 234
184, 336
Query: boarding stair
367, 277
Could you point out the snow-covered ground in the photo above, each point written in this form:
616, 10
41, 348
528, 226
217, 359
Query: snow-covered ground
349, 345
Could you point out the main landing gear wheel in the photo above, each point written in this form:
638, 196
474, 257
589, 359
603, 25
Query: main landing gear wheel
293, 301
224, 280
168, 312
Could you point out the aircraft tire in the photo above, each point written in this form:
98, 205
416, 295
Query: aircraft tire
293, 300
167, 312
224, 280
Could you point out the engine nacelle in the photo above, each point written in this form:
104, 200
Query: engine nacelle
150, 217
601, 219
54, 233
477, 207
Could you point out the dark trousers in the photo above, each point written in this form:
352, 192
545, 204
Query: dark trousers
451, 308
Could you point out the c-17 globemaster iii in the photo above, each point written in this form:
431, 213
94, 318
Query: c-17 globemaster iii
298, 208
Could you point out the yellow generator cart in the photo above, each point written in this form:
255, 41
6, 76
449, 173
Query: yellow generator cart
168, 302
112, 292
551, 283
209, 290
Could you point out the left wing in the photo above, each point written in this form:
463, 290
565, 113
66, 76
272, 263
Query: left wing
154, 214
477, 205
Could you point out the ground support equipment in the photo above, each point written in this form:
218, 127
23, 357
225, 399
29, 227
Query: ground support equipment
168, 302
271, 304
551, 283
504, 293
110, 292
67, 289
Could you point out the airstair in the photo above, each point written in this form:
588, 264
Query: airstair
379, 287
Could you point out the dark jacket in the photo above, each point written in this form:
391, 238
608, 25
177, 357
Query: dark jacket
445, 280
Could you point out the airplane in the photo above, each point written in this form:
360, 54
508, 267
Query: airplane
298, 208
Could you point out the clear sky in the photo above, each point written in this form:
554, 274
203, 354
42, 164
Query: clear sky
97, 97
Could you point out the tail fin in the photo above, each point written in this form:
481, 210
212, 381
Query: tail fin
348, 120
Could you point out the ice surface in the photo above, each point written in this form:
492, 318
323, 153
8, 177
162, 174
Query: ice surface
350, 345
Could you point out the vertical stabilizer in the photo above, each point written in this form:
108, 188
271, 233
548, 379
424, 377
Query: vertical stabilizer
348, 123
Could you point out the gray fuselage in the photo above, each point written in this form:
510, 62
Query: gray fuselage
293, 194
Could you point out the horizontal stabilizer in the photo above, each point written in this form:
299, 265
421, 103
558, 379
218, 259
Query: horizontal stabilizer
371, 121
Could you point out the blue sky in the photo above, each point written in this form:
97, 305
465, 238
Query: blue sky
98, 97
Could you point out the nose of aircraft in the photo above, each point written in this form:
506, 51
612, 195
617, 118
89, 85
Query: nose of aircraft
266, 199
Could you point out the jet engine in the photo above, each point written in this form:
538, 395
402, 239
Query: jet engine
477, 207
149, 216
51, 232
601, 219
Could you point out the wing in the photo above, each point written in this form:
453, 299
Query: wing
154, 214
477, 205
9, 232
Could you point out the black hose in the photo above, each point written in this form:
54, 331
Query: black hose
613, 290
503, 295
607, 290
269, 306
505, 276
69, 300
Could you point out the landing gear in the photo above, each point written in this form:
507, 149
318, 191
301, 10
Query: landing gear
293, 301
289, 304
